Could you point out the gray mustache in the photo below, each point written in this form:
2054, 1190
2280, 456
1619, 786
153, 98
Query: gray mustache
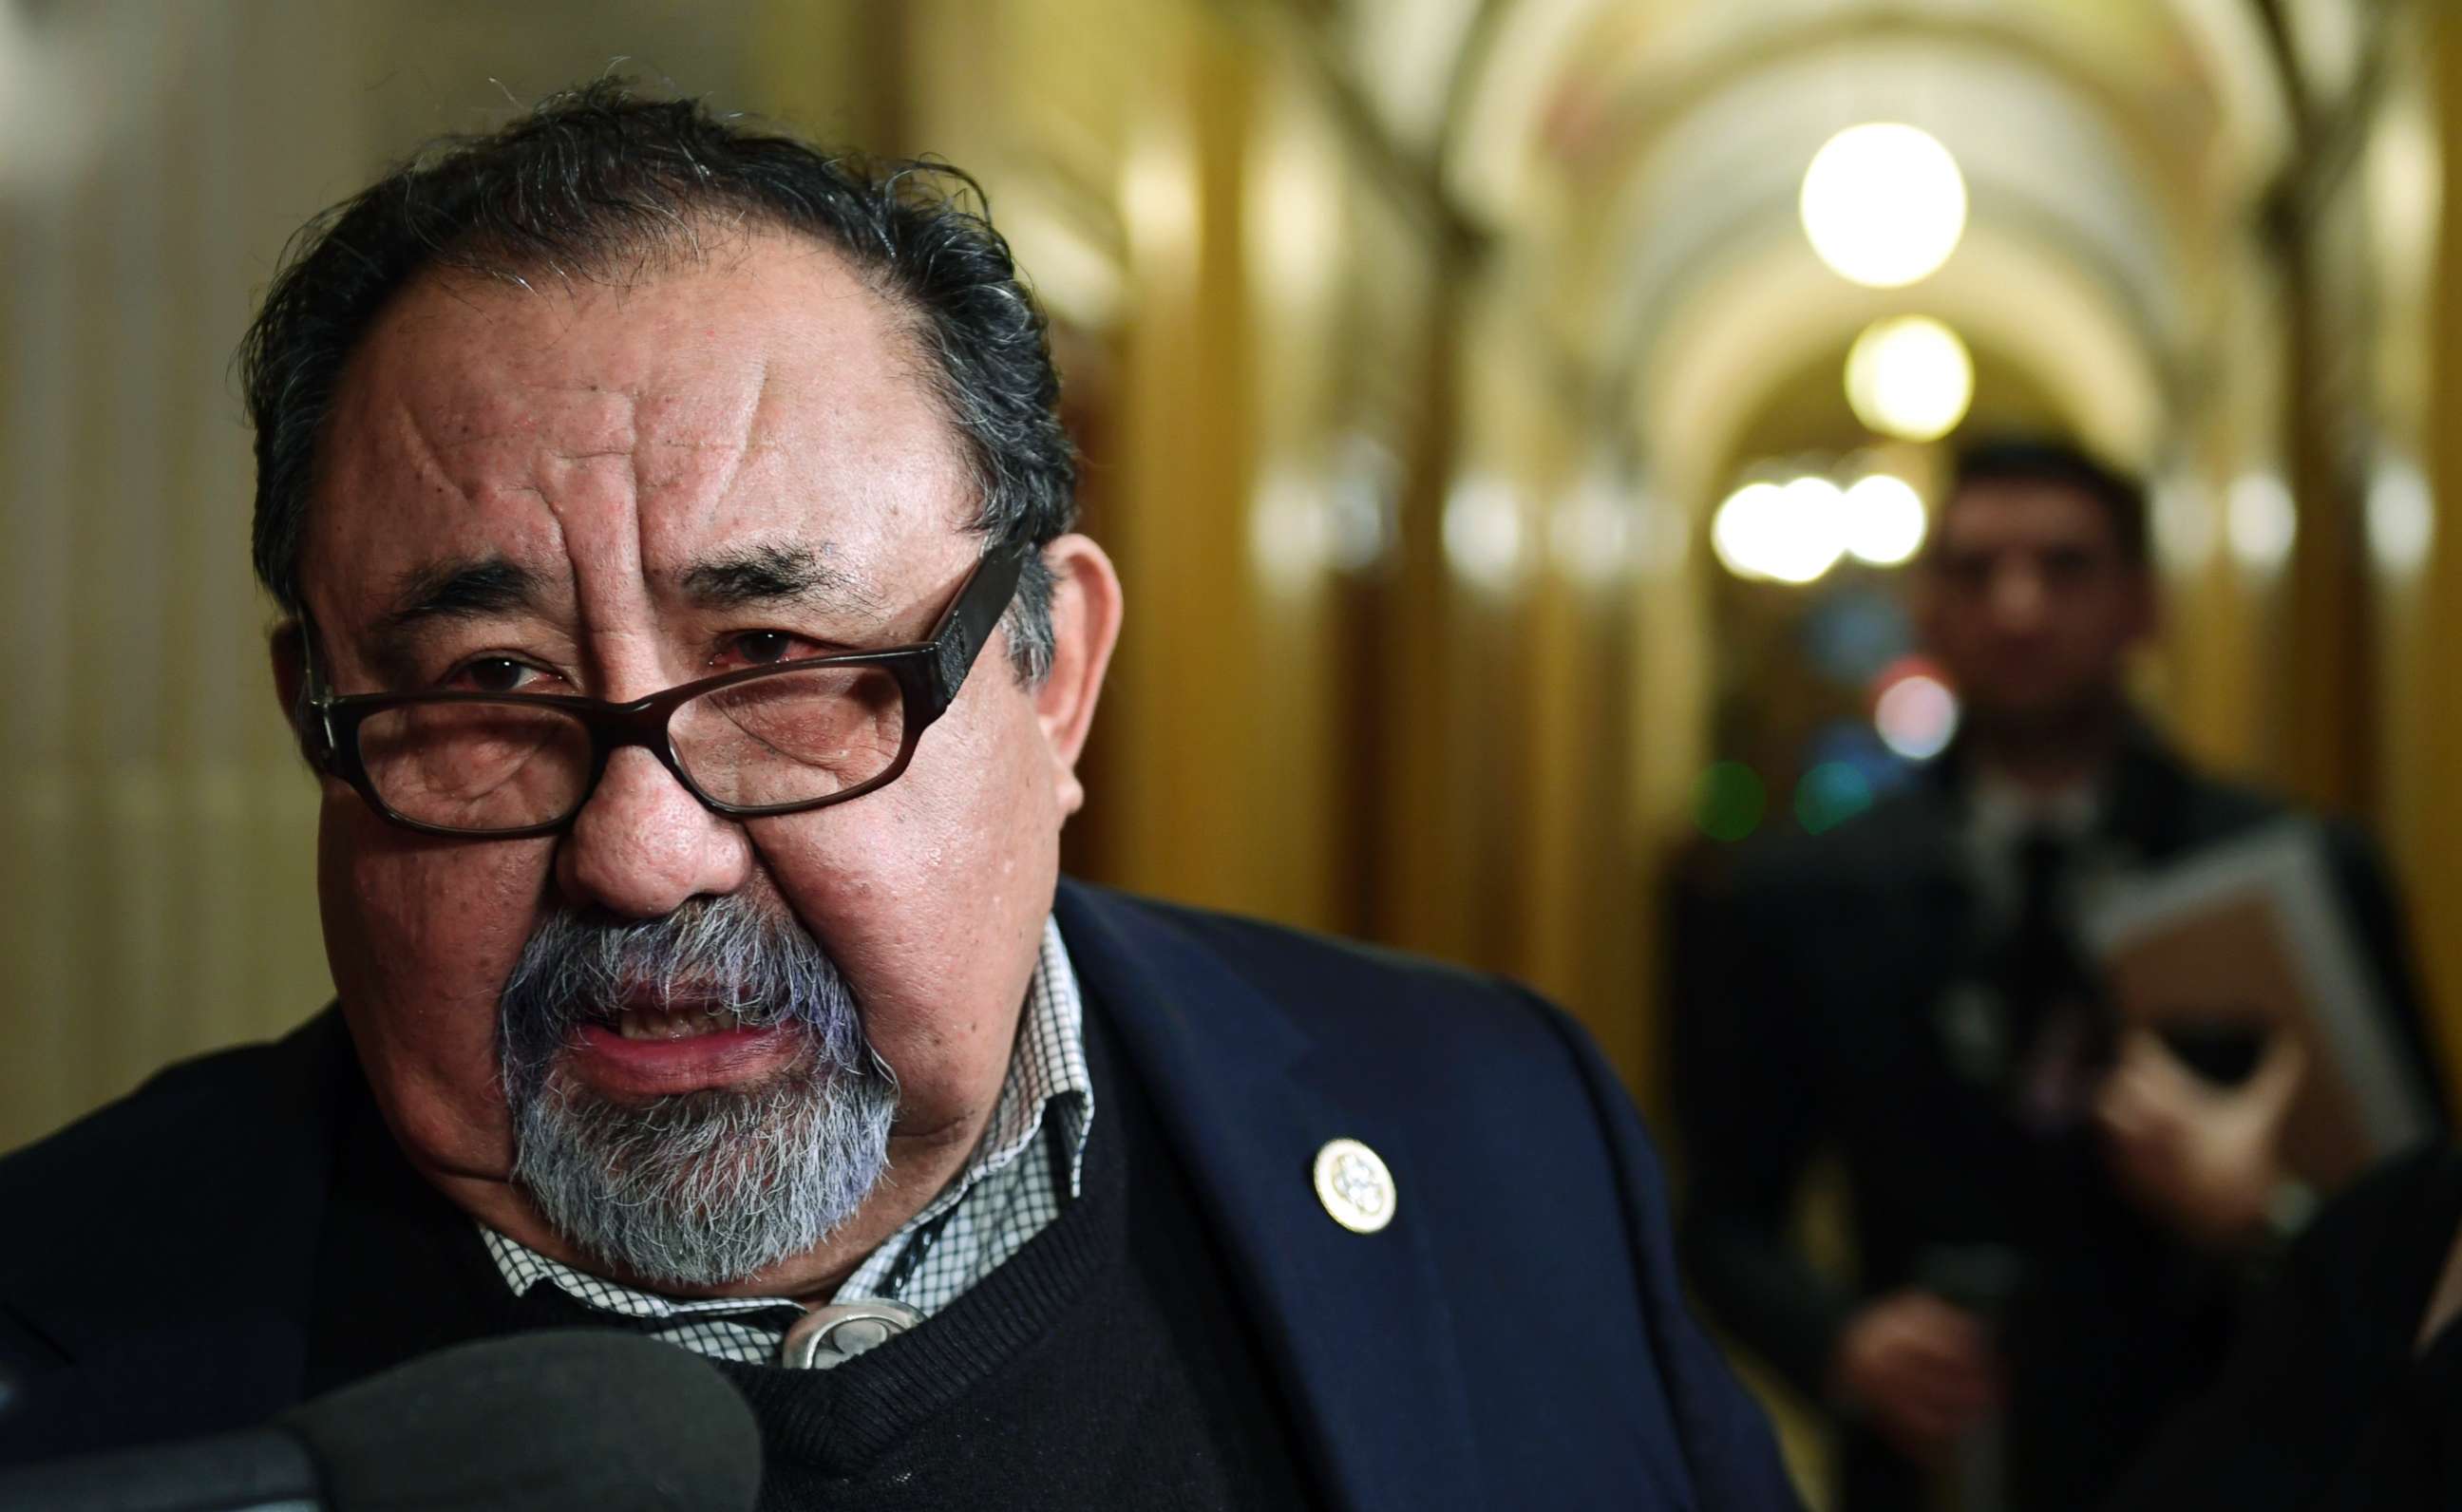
723, 953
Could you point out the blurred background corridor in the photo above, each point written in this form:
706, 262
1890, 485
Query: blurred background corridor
1510, 419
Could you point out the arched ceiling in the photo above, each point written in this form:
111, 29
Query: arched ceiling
1535, 76
1636, 164
1771, 306
1732, 165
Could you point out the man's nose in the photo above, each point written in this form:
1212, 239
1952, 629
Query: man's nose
2018, 601
642, 846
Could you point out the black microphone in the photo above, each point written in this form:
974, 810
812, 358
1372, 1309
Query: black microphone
537, 1422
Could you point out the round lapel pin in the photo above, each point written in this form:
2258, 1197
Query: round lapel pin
1355, 1186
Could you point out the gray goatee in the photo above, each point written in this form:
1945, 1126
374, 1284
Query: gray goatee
700, 1188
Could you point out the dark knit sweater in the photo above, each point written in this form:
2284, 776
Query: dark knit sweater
1105, 1365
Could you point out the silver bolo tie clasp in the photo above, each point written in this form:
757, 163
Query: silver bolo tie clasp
827, 1337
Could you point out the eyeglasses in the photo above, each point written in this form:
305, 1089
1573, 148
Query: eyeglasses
770, 740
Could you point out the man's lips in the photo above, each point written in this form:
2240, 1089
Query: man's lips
647, 1055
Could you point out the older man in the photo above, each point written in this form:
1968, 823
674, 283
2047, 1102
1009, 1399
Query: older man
683, 619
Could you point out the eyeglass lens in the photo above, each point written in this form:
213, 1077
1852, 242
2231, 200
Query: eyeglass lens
793, 736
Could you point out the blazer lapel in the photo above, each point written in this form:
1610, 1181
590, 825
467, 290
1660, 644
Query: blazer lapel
1356, 1323
228, 1221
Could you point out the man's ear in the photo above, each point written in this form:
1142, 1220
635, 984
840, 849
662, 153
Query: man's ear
1085, 623
288, 646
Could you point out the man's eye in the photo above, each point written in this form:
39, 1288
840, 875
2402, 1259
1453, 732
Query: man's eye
492, 674
764, 647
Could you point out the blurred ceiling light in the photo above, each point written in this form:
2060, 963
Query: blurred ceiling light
1361, 504
2402, 516
2405, 175
1740, 525
2261, 522
1483, 532
1290, 531
1883, 204
1885, 520
1158, 202
1791, 532
1294, 227
1910, 376
1813, 530
1916, 715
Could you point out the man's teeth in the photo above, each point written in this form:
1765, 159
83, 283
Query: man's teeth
659, 1024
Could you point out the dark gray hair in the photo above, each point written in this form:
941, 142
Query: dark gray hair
601, 182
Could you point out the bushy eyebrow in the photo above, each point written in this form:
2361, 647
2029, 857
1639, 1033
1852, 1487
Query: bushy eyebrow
460, 588
772, 574
493, 587
485, 587
450, 589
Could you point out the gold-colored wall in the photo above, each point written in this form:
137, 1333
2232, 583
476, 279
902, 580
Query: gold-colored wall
2422, 684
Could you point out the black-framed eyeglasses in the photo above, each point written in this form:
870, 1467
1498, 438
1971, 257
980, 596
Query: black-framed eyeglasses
767, 740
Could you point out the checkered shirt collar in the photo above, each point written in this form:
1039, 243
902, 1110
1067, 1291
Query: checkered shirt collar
1048, 1081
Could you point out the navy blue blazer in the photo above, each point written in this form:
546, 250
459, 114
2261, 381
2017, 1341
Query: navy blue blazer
1515, 1337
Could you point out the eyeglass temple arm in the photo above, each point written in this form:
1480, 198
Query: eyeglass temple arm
970, 620
312, 719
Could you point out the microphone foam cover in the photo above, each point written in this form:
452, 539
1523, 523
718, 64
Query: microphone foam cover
538, 1423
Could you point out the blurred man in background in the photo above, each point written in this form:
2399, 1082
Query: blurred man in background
2048, 1216
671, 524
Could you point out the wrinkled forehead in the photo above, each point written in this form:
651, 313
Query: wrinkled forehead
763, 397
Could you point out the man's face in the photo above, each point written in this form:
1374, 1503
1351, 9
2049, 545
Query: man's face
583, 489
2030, 604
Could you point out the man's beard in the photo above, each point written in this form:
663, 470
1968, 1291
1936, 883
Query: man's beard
702, 1188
